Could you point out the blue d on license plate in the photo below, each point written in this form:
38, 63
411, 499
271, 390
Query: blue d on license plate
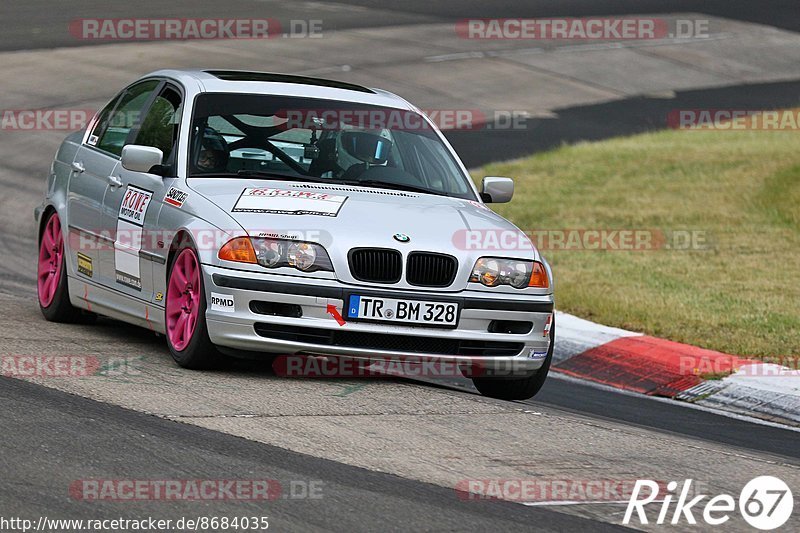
394, 310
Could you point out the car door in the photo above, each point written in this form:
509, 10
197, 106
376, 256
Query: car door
86, 188
133, 200
94, 165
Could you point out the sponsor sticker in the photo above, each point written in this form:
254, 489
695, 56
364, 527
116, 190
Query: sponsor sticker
533, 353
134, 205
130, 220
175, 197
288, 202
159, 296
129, 281
85, 266
223, 303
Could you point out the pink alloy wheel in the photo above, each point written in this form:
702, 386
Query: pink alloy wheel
51, 253
183, 300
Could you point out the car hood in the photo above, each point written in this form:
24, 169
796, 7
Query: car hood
366, 217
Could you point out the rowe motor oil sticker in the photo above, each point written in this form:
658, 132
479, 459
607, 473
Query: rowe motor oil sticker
132, 212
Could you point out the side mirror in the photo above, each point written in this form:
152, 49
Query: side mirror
497, 190
141, 158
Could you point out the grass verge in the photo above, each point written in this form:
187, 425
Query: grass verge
738, 190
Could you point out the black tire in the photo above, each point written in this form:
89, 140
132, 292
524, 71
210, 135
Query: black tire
200, 353
60, 309
518, 388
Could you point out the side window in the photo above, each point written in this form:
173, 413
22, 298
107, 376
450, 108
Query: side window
125, 116
160, 127
102, 121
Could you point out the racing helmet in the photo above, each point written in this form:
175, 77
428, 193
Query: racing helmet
212, 155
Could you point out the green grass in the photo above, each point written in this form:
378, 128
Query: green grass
741, 295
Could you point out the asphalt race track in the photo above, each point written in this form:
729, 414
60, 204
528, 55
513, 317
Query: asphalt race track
387, 452
143, 446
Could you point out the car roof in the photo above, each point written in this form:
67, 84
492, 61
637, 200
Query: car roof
250, 82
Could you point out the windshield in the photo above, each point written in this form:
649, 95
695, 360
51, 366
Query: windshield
327, 141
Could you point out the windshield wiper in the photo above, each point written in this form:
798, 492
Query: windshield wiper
273, 175
269, 174
378, 184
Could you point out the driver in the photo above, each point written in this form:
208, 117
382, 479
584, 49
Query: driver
348, 159
213, 154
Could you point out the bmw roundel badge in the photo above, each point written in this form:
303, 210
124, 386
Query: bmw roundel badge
401, 237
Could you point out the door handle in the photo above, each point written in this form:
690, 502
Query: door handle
115, 181
77, 166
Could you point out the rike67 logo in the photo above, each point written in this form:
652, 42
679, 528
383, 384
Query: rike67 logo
765, 503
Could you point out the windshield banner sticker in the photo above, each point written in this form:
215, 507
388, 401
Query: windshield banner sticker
289, 202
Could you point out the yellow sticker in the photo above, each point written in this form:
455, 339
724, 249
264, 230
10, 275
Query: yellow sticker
159, 296
85, 266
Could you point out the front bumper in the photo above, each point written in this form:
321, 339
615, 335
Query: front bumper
244, 326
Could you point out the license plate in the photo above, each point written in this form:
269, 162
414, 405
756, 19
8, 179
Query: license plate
393, 310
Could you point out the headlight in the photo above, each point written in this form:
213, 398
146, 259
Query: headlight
494, 271
276, 253
270, 253
304, 256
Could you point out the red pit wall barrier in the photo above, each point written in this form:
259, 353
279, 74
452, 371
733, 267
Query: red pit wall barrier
652, 366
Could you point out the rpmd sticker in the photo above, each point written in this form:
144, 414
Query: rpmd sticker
223, 303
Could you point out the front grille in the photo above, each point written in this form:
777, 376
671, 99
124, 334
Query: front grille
376, 265
426, 269
391, 343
